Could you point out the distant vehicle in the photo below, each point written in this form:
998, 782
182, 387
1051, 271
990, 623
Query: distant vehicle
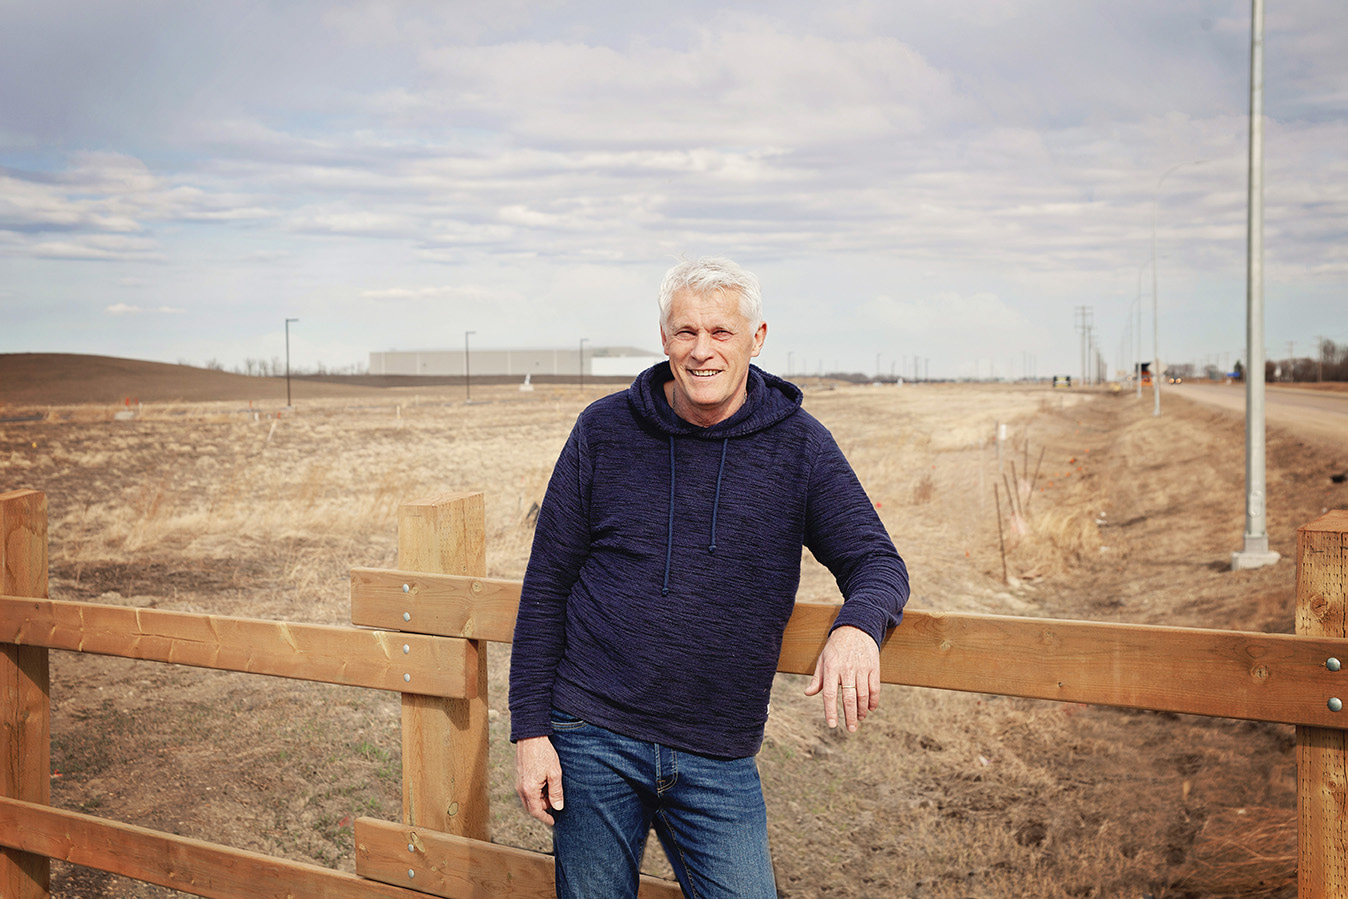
1146, 373
1062, 380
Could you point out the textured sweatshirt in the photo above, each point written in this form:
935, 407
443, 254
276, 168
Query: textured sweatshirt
666, 560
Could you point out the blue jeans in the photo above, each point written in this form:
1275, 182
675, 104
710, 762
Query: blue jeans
708, 813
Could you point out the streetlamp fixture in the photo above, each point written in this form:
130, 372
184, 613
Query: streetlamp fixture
288, 321
1155, 326
467, 377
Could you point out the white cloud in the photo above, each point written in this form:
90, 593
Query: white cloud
125, 309
465, 292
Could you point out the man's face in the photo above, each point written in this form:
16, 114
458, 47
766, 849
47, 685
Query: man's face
709, 344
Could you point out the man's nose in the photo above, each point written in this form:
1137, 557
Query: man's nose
702, 345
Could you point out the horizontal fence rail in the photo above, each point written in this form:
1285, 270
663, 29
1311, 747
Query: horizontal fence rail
179, 863
333, 654
1227, 674
451, 866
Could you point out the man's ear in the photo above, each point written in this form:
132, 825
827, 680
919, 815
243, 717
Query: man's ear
759, 336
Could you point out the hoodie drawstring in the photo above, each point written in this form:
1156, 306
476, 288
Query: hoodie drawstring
716, 503
715, 508
669, 531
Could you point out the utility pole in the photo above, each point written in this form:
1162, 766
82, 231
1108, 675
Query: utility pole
288, 321
467, 378
1256, 553
1084, 316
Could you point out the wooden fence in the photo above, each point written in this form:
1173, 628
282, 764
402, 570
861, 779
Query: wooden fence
422, 630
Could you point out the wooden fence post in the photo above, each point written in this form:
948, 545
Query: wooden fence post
445, 775
25, 687
1322, 753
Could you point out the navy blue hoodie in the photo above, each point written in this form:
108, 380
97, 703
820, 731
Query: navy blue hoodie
666, 561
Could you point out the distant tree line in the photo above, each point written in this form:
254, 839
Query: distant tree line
276, 368
1330, 363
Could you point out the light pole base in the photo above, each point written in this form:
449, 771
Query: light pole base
1255, 555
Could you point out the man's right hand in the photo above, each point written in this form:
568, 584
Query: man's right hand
538, 777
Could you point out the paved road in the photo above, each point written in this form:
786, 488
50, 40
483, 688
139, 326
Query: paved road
1322, 413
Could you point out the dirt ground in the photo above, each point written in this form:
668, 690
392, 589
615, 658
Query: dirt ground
227, 508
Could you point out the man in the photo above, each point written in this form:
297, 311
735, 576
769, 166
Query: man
664, 568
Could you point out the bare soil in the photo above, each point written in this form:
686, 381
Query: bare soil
225, 507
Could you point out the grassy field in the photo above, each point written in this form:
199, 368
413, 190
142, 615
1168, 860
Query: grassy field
243, 508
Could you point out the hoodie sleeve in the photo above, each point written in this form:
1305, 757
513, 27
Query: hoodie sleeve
844, 533
561, 546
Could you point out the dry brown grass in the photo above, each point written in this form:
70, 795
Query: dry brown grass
214, 507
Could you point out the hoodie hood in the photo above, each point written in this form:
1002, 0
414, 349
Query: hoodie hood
769, 399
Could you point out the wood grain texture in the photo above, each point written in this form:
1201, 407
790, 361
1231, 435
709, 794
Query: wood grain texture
1322, 753
445, 765
25, 687
450, 866
478, 608
179, 863
334, 654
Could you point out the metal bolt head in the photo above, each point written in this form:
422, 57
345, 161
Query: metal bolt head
1335, 704
411, 847
406, 649
411, 873
407, 616
407, 679
407, 588
1333, 664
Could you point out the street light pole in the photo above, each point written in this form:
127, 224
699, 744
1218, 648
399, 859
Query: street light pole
1256, 553
583, 341
1138, 331
288, 321
467, 376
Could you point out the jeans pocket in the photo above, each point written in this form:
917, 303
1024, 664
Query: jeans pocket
566, 721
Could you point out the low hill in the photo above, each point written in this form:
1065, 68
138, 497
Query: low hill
70, 378
60, 379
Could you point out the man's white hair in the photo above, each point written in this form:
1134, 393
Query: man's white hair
712, 274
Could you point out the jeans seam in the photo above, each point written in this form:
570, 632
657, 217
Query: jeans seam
687, 879
665, 784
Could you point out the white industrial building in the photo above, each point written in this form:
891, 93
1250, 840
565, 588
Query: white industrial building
598, 362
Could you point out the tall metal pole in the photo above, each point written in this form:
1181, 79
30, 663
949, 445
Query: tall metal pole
1256, 552
288, 321
1138, 331
582, 362
467, 377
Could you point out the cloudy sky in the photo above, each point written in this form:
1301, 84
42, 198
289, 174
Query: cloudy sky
948, 181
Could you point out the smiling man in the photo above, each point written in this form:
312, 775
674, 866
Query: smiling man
664, 568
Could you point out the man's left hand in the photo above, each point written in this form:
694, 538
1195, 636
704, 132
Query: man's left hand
850, 665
